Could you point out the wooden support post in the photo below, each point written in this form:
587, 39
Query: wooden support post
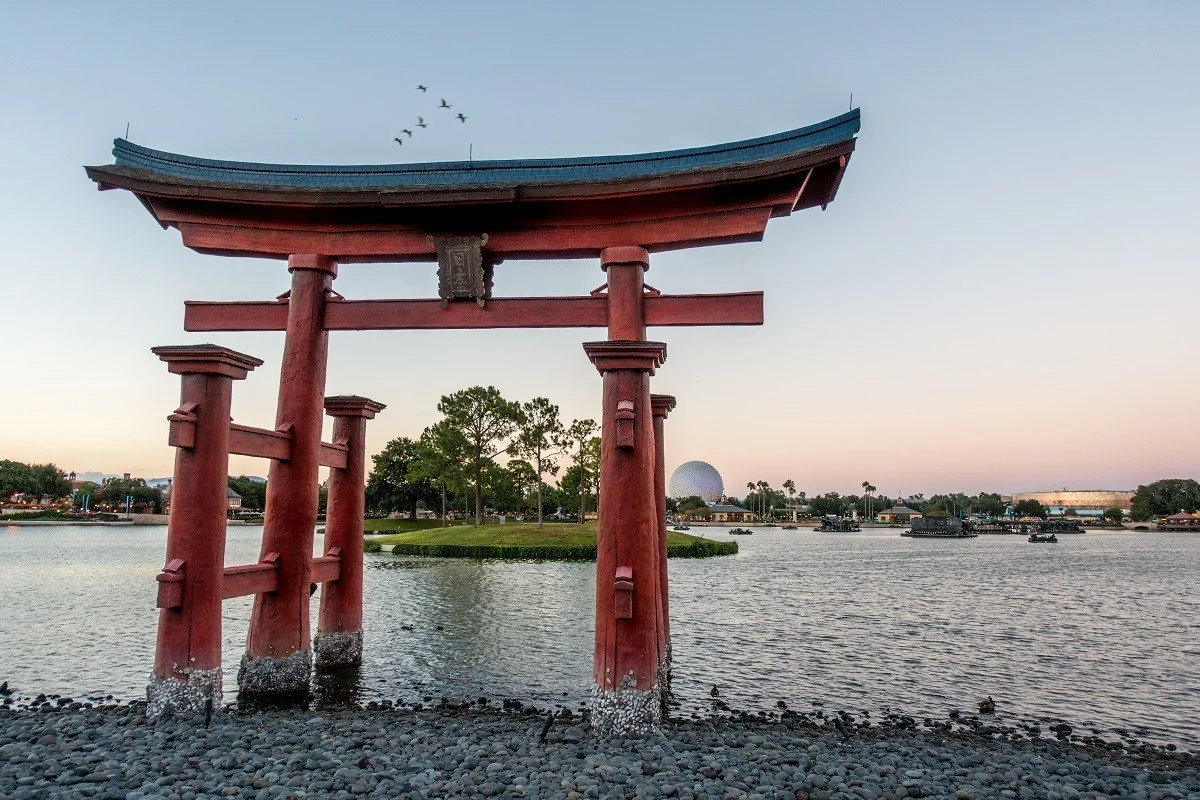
660, 407
187, 659
625, 697
339, 624
278, 659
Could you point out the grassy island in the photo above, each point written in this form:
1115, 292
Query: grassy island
554, 541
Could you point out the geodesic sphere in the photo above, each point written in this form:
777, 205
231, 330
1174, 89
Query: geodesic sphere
697, 479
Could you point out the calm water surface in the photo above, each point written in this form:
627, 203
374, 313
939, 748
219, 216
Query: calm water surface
1102, 629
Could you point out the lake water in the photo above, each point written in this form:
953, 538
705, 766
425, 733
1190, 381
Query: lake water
1102, 629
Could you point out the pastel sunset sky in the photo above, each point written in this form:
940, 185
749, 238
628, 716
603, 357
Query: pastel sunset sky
1004, 295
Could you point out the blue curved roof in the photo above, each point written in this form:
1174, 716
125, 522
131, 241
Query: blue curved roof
463, 173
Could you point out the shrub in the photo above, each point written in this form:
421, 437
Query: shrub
372, 546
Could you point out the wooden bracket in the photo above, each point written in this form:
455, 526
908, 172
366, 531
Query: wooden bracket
599, 291
625, 420
170, 585
182, 432
650, 290
259, 578
328, 567
623, 593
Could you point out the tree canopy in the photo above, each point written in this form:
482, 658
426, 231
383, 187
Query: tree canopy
478, 427
35, 480
393, 484
1165, 497
540, 434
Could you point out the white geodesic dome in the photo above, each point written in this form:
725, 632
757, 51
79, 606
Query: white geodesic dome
697, 479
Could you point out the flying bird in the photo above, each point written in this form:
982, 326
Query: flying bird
461, 118
421, 122
423, 88
398, 140
444, 104
406, 130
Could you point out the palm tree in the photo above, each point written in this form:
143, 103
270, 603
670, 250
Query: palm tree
750, 486
868, 489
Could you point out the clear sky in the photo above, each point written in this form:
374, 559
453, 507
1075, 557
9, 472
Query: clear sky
1004, 295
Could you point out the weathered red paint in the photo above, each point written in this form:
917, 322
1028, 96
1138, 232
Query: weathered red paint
660, 407
740, 308
626, 292
627, 569
279, 624
189, 632
341, 599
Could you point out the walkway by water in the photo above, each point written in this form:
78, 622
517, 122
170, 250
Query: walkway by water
1102, 629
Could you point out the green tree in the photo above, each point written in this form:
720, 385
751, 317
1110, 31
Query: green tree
35, 480
828, 504
540, 435
1114, 515
254, 493
1165, 497
437, 460
990, 504
575, 440
392, 484
113, 492
1029, 508
479, 427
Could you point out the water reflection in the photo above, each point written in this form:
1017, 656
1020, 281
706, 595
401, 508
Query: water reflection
1100, 629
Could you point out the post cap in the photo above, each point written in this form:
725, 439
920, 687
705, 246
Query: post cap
351, 405
661, 404
624, 255
615, 355
206, 359
312, 261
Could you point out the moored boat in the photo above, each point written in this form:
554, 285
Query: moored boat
939, 528
1039, 538
740, 532
838, 525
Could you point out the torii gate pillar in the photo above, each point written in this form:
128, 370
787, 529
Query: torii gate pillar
660, 407
187, 659
625, 694
278, 659
339, 624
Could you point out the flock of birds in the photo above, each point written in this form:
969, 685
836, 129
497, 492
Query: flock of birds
421, 123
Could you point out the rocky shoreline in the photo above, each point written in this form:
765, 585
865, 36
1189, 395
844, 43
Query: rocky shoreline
61, 748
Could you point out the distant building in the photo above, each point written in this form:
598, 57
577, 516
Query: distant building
1081, 500
235, 499
696, 479
900, 514
723, 512
1182, 521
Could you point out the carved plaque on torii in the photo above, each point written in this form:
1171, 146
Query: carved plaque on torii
462, 272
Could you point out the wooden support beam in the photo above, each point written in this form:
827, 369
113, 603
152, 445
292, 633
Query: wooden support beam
247, 441
327, 567
332, 455
251, 578
740, 308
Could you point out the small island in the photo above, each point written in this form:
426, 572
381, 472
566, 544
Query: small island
552, 541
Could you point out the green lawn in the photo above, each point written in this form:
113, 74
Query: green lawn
400, 525
558, 541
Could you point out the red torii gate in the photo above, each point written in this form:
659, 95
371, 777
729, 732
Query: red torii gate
469, 216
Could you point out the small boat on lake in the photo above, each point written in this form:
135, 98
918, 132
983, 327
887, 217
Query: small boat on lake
829, 525
1039, 538
1060, 526
939, 528
789, 527
682, 526
740, 532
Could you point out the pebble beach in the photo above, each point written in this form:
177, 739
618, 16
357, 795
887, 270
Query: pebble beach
63, 748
